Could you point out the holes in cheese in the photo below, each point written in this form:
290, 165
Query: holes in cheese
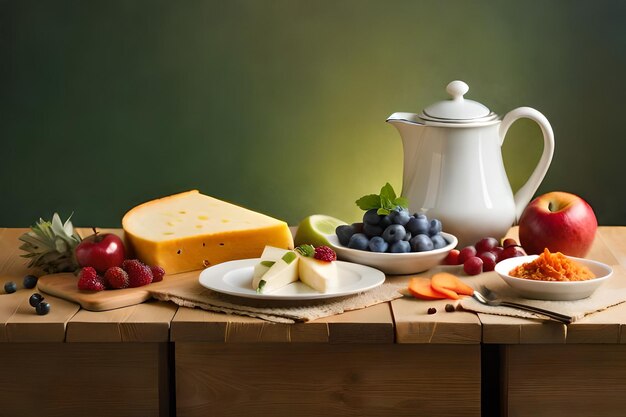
182, 246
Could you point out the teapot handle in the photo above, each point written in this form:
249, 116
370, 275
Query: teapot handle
524, 194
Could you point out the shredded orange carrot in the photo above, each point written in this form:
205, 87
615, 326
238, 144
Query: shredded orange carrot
552, 267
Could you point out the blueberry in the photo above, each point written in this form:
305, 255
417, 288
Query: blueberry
394, 233
371, 217
421, 243
30, 281
10, 287
358, 227
434, 227
372, 230
358, 241
401, 246
400, 216
344, 232
42, 308
438, 241
407, 237
378, 244
385, 221
418, 225
35, 299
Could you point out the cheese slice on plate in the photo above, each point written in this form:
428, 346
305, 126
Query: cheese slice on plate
190, 231
268, 258
317, 274
284, 271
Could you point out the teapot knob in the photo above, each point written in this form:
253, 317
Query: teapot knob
457, 89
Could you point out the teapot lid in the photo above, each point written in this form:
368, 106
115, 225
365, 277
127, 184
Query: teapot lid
458, 109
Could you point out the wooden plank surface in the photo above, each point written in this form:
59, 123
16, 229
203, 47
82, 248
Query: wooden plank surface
565, 380
18, 320
327, 379
84, 379
615, 241
413, 324
607, 326
147, 322
370, 325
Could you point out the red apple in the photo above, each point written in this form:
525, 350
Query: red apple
100, 251
559, 221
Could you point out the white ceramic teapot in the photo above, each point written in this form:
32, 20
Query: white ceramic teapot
453, 167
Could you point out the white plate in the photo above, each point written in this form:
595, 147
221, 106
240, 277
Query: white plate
395, 263
235, 278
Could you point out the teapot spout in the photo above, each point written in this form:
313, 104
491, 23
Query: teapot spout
408, 118
408, 125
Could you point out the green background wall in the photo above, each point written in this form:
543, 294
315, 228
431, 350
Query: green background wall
280, 105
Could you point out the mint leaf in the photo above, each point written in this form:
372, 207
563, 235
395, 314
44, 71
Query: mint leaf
368, 202
386, 203
387, 192
383, 203
306, 250
402, 202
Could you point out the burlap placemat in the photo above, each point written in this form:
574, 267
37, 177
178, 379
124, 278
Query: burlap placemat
188, 292
611, 293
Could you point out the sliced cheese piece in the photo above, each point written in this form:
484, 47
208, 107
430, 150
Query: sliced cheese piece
269, 256
260, 269
283, 272
190, 231
271, 253
319, 275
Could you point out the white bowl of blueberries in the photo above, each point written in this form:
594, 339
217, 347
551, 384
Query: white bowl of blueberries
396, 243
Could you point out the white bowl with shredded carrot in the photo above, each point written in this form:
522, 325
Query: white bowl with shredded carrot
553, 276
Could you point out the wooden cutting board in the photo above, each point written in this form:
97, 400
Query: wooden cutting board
65, 286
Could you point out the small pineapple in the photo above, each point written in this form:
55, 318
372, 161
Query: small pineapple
50, 245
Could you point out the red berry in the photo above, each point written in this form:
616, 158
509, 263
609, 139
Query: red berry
88, 280
509, 242
452, 258
512, 252
157, 273
116, 277
138, 273
473, 266
324, 253
466, 253
497, 251
489, 261
486, 244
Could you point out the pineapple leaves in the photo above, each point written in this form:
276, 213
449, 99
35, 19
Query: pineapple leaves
50, 245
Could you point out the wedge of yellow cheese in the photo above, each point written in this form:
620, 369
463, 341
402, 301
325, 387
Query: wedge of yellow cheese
190, 231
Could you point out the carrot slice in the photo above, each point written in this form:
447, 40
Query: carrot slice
445, 281
421, 288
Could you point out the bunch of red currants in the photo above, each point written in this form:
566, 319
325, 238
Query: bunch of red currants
484, 255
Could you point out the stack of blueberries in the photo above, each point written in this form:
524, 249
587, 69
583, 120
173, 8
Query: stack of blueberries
396, 232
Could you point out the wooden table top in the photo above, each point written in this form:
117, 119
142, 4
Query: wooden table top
401, 321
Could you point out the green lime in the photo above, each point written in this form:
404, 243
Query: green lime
314, 229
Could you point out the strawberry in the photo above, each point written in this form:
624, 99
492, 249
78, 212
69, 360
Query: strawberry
88, 280
157, 273
138, 273
116, 277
